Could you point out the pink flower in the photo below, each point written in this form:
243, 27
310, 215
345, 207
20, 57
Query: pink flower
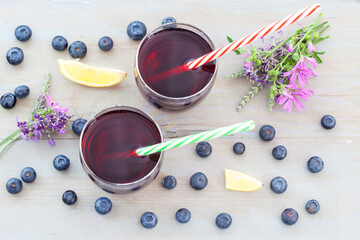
311, 61
290, 48
293, 94
301, 72
311, 47
55, 106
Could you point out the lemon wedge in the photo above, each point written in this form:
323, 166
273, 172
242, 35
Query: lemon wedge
90, 76
237, 181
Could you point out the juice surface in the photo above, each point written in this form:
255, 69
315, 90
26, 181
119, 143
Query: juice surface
169, 49
108, 141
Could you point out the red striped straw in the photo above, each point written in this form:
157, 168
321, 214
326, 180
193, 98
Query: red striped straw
253, 36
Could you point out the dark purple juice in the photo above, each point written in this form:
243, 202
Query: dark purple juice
169, 49
109, 140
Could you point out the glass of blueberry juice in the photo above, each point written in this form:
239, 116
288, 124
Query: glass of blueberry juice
107, 145
167, 48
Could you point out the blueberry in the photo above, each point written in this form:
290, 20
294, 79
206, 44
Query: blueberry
169, 182
169, 20
223, 220
28, 175
312, 206
328, 122
279, 152
278, 185
103, 205
149, 220
78, 49
23, 33
136, 30
267, 133
289, 216
198, 181
59, 43
15, 56
203, 149
61, 162
22, 91
69, 197
105, 43
239, 148
14, 185
8, 100
183, 215
78, 125
315, 164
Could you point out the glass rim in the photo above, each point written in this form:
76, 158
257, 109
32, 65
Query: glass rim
109, 109
207, 39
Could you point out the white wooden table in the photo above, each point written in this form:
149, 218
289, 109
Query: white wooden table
38, 211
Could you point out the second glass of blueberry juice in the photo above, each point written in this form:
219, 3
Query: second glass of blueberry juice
168, 47
107, 145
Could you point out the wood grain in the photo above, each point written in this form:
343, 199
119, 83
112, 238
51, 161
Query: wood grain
38, 212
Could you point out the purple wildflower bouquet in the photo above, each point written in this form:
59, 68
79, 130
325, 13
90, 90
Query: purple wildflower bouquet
46, 119
284, 65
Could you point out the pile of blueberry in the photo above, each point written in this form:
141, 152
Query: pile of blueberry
15, 185
136, 30
198, 181
315, 164
8, 100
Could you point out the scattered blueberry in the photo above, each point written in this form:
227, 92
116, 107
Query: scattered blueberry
315, 164
59, 43
23, 33
69, 197
136, 30
149, 220
312, 206
78, 49
61, 162
279, 152
289, 216
28, 175
198, 181
328, 122
15, 56
105, 43
169, 182
239, 148
267, 133
278, 185
103, 205
223, 220
78, 125
169, 20
14, 185
8, 100
183, 215
203, 149
22, 91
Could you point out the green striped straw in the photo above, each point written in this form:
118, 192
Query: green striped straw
219, 132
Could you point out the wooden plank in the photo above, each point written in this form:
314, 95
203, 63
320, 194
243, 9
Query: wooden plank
38, 212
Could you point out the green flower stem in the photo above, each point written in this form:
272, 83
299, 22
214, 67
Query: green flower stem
11, 136
254, 90
277, 47
9, 143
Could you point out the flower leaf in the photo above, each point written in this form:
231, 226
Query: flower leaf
236, 50
318, 60
316, 41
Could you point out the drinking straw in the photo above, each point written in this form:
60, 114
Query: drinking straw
241, 42
254, 36
211, 134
